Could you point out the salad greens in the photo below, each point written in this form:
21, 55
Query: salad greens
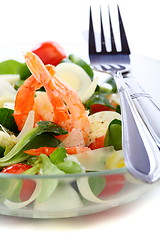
114, 135
69, 166
98, 98
16, 153
59, 162
14, 67
7, 119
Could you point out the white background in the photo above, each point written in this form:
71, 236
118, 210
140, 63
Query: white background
32, 21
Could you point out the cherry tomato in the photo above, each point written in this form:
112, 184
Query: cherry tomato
98, 143
99, 107
16, 168
28, 185
50, 53
114, 184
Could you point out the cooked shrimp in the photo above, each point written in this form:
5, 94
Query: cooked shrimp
42, 107
25, 101
68, 110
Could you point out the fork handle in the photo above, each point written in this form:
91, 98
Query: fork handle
141, 153
146, 107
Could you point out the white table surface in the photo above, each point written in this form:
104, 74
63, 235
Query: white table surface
67, 21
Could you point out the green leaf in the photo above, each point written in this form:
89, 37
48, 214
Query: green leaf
2, 150
23, 71
114, 135
44, 139
48, 184
97, 184
9, 67
58, 155
48, 126
112, 82
42, 127
10, 188
98, 98
103, 89
118, 109
14, 67
109, 86
82, 64
70, 167
7, 119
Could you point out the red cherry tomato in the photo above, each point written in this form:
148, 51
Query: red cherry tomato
99, 107
50, 52
16, 168
98, 143
114, 184
28, 185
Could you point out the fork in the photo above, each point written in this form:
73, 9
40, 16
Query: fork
141, 151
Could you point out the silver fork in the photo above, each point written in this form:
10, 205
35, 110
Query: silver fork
141, 153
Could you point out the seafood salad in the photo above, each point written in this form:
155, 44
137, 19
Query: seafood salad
55, 116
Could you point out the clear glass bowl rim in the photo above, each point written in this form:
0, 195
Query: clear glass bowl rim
66, 176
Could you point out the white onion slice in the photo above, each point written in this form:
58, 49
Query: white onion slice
85, 190
95, 160
11, 78
17, 205
29, 123
89, 91
77, 78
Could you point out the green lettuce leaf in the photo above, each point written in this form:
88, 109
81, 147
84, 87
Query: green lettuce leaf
114, 135
16, 153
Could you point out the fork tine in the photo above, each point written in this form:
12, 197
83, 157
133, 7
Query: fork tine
113, 45
92, 45
124, 42
103, 45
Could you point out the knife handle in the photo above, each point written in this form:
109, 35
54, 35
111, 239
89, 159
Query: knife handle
148, 110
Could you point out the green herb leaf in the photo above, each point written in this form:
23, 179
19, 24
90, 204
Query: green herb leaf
118, 109
97, 184
48, 184
98, 98
7, 119
70, 167
114, 135
9, 67
23, 71
14, 67
44, 139
58, 156
2, 150
112, 82
47, 126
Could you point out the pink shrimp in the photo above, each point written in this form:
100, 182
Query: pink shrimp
65, 107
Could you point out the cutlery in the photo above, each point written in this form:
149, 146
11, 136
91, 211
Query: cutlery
140, 146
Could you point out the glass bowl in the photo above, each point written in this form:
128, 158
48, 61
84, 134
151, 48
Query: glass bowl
73, 195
